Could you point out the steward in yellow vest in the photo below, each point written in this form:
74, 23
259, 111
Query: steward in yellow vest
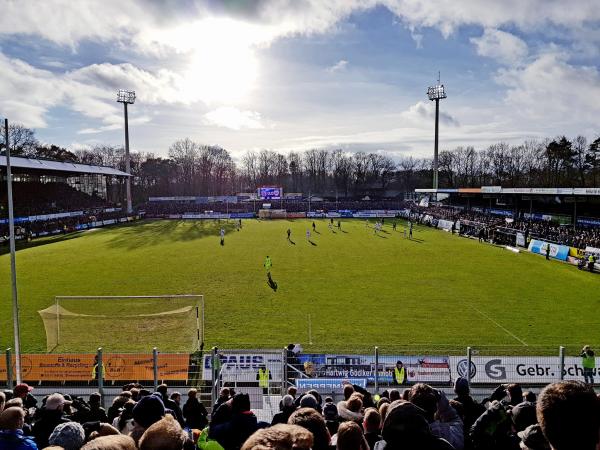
400, 376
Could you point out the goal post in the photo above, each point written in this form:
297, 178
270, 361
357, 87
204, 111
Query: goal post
128, 323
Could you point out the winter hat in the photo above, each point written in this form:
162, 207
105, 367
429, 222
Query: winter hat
68, 435
532, 438
240, 403
461, 386
148, 410
523, 415
330, 411
309, 401
404, 422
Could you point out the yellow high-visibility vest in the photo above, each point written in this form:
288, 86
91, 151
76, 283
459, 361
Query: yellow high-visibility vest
399, 373
263, 378
96, 368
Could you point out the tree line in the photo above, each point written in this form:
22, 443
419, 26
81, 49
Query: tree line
195, 169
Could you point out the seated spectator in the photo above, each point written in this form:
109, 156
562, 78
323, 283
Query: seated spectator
372, 427
313, 421
350, 437
116, 442
68, 435
11, 430
435, 404
51, 415
194, 411
287, 408
280, 437
532, 438
569, 415
405, 426
166, 434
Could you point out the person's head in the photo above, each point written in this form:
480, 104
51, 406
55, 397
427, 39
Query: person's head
148, 410
348, 390
586, 348
166, 434
405, 394
394, 395
292, 391
287, 401
176, 397
330, 412
135, 393
425, 397
515, 393
56, 402
14, 402
114, 442
399, 364
383, 410
313, 421
309, 401
461, 386
569, 415
12, 418
404, 425
162, 389
21, 390
529, 396
355, 403
192, 393
240, 403
280, 437
68, 435
2, 401
95, 399
523, 415
532, 438
350, 437
224, 393
372, 420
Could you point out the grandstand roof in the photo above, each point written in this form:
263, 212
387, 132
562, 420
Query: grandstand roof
59, 166
528, 191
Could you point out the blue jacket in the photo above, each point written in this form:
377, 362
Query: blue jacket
16, 440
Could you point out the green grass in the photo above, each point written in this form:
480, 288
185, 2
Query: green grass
435, 294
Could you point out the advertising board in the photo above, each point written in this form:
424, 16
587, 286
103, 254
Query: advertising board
243, 366
556, 251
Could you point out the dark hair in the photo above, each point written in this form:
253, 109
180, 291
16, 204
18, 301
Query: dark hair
313, 421
569, 414
423, 396
394, 395
348, 390
515, 393
350, 437
529, 396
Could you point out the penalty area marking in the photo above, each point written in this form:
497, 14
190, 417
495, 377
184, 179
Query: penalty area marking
500, 326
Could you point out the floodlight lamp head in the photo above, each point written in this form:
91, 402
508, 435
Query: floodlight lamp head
125, 96
437, 92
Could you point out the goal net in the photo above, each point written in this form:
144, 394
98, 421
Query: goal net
124, 323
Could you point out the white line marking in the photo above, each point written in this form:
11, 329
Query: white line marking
500, 326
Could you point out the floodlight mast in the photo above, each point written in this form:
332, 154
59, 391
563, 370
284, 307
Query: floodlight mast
127, 98
436, 93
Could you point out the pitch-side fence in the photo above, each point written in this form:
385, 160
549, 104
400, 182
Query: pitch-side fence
267, 374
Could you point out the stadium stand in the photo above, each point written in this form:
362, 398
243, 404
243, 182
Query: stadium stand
565, 416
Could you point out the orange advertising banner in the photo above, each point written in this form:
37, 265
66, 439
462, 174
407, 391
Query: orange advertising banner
117, 366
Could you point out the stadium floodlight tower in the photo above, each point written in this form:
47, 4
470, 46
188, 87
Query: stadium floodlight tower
127, 98
436, 93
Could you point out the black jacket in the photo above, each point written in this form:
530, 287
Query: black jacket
44, 427
283, 416
232, 434
195, 414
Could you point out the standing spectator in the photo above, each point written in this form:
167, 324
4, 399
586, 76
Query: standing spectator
569, 414
232, 433
372, 426
50, 416
97, 412
588, 361
350, 437
405, 426
471, 409
287, 408
170, 404
11, 431
23, 391
400, 376
194, 411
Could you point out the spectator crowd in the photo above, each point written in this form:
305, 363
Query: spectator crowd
565, 416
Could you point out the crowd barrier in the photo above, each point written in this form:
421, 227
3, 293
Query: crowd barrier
283, 214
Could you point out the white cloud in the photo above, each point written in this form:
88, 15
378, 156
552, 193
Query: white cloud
233, 118
500, 45
421, 111
339, 66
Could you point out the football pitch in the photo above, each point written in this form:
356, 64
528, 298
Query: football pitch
343, 291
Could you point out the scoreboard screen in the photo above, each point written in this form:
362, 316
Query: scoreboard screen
270, 193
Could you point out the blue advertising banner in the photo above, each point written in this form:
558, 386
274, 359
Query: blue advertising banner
329, 384
556, 251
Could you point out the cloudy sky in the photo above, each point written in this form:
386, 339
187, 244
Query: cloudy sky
296, 74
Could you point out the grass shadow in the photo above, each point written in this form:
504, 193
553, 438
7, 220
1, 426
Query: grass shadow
291, 242
312, 243
20, 245
271, 283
